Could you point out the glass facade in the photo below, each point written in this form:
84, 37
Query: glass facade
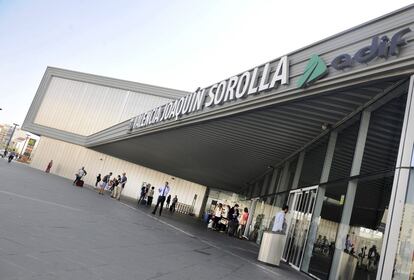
336, 225
404, 263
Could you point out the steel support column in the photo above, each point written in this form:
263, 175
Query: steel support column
396, 206
298, 170
319, 200
343, 228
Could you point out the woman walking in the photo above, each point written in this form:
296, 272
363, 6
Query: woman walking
49, 166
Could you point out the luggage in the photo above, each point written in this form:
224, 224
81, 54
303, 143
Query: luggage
79, 183
233, 225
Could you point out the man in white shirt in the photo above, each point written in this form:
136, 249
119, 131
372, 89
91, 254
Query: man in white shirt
280, 221
79, 175
162, 194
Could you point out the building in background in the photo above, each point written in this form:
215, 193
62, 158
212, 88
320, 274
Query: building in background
22, 142
5, 133
327, 129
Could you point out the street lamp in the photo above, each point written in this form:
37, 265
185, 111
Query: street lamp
24, 145
11, 136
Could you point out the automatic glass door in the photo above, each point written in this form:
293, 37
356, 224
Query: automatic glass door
301, 203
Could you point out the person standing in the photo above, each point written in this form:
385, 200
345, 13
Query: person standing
115, 186
150, 195
168, 201
373, 258
49, 166
348, 244
98, 179
217, 216
162, 193
104, 183
173, 204
111, 185
233, 217
79, 175
242, 223
122, 181
11, 157
143, 193
224, 222
280, 224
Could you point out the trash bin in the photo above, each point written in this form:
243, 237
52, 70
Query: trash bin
271, 248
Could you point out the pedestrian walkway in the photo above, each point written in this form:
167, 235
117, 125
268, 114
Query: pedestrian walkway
53, 230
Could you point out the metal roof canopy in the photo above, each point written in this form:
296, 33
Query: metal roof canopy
229, 145
229, 152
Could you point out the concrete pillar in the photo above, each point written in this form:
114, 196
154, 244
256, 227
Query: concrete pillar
298, 170
250, 219
204, 202
343, 229
313, 229
404, 165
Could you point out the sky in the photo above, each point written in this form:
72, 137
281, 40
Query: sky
179, 44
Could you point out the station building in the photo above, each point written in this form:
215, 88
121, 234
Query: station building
327, 129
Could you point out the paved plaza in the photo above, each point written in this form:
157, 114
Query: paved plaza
52, 230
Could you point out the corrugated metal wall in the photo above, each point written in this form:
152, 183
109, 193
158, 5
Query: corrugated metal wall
68, 158
86, 108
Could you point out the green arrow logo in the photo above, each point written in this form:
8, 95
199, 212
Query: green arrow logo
315, 69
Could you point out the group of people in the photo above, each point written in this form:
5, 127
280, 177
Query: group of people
11, 156
147, 194
116, 184
366, 258
230, 220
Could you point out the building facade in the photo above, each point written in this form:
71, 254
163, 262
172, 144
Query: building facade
327, 129
77, 105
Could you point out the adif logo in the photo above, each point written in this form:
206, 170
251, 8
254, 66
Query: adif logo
315, 69
383, 47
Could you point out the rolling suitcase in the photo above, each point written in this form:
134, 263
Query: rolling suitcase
79, 183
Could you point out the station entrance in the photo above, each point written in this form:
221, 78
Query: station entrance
301, 204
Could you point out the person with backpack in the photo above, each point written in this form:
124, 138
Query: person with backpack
104, 183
